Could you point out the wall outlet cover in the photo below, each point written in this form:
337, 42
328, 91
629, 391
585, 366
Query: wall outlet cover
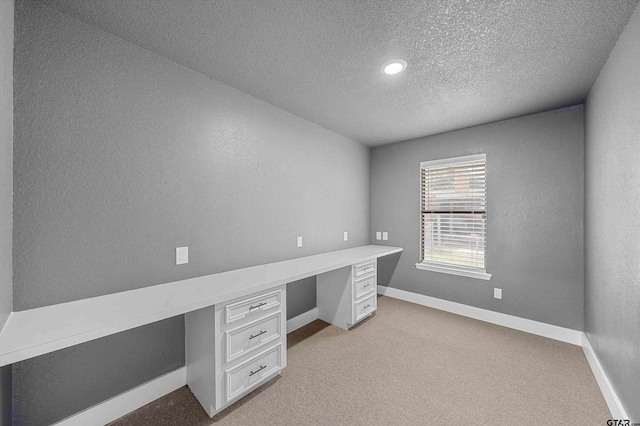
346, 236
385, 236
378, 235
299, 241
182, 255
497, 293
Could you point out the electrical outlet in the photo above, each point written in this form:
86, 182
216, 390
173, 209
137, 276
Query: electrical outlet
385, 236
497, 293
378, 235
182, 255
346, 236
299, 241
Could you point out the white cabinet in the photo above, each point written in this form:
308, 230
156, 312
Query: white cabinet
234, 347
346, 296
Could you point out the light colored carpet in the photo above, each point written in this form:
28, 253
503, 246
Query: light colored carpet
408, 365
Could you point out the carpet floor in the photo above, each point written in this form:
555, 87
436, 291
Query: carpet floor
408, 365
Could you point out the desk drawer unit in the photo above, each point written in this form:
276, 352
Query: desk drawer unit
234, 347
348, 295
365, 280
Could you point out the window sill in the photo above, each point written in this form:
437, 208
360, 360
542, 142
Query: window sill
481, 275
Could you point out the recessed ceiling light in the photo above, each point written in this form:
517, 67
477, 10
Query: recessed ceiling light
394, 66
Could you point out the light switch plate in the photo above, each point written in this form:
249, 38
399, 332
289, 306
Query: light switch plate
346, 236
385, 236
299, 241
378, 235
182, 255
497, 293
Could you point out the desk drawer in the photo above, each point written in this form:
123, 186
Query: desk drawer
364, 268
364, 286
364, 307
253, 336
253, 372
252, 307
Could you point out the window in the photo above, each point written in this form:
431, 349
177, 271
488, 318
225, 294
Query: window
454, 216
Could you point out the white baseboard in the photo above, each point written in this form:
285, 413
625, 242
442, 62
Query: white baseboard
129, 401
534, 327
301, 320
610, 396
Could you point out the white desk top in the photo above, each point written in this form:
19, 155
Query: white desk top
42, 330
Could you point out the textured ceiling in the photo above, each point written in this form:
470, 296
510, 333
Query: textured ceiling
470, 62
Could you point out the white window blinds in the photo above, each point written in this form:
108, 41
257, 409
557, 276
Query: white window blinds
454, 212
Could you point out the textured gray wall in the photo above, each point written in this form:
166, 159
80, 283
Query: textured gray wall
6, 155
5, 395
121, 156
301, 296
534, 223
612, 211
6, 189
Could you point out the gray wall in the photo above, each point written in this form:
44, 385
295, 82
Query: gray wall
6, 155
6, 189
612, 211
5, 395
301, 297
121, 156
534, 218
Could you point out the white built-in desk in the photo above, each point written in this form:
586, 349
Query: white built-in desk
34, 332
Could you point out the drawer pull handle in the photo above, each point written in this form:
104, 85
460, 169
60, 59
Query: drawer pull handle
262, 367
367, 306
257, 306
257, 335
367, 285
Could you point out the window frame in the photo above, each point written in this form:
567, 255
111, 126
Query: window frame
471, 272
